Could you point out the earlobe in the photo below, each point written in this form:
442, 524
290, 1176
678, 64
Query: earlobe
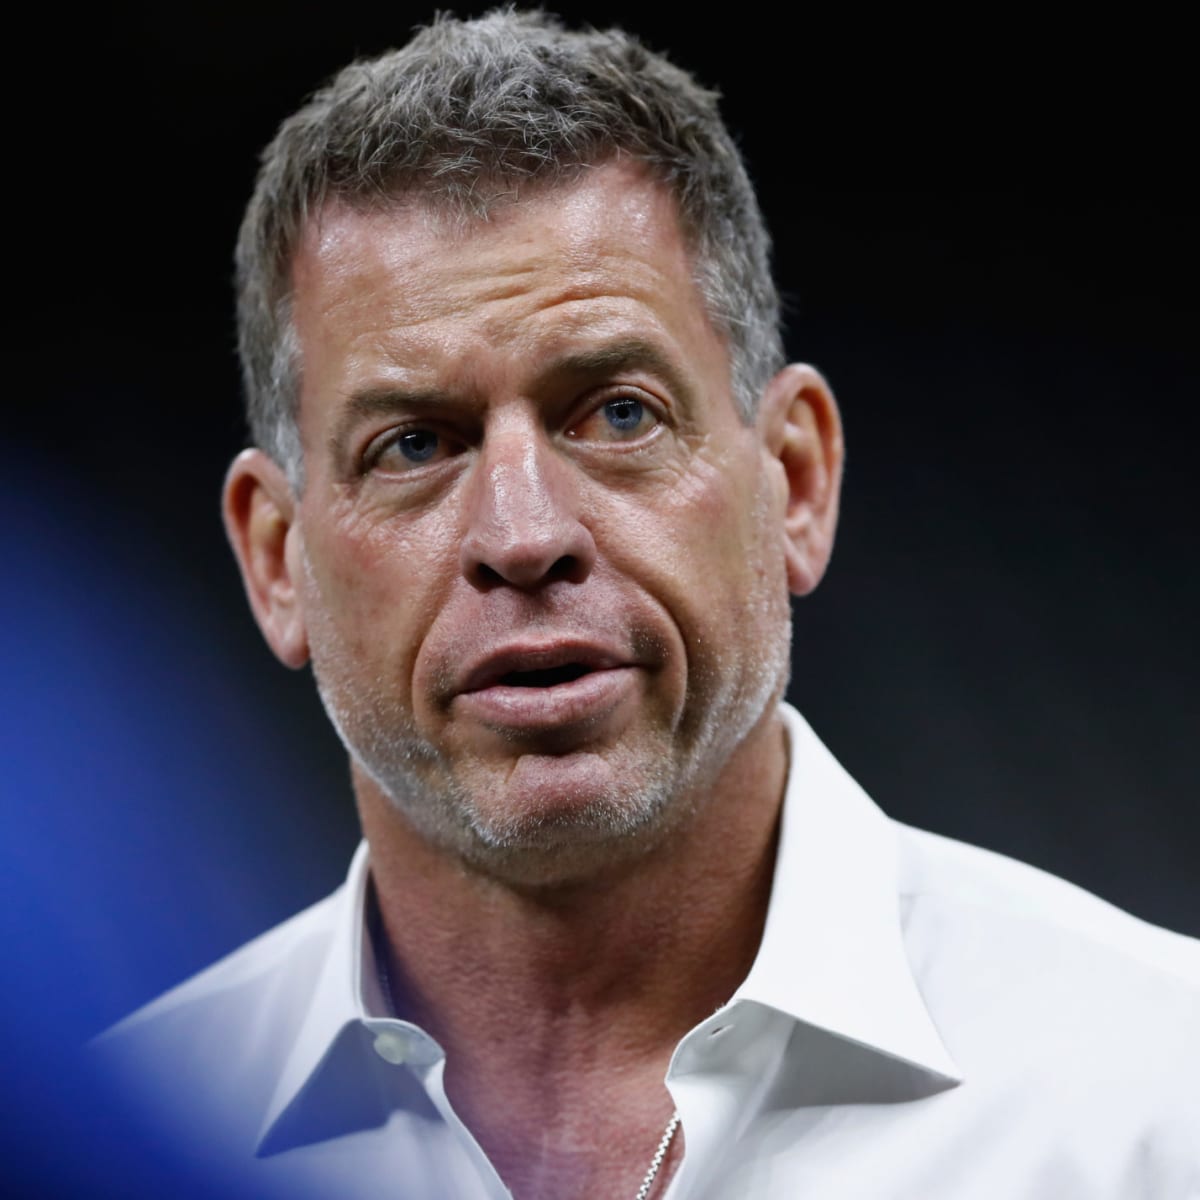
259, 511
802, 433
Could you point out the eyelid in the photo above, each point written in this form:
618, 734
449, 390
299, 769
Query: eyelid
455, 440
656, 408
385, 439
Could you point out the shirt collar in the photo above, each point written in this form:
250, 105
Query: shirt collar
346, 994
832, 955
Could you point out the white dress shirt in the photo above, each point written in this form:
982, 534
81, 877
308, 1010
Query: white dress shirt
923, 1019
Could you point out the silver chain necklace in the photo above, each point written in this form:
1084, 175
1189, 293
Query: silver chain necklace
659, 1157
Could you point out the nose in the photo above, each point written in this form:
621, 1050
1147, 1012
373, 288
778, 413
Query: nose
523, 517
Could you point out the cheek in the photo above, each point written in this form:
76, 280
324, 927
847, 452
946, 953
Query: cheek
369, 588
701, 546
715, 522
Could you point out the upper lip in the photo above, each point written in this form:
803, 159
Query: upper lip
491, 669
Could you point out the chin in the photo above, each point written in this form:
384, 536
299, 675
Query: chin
561, 855
556, 821
542, 794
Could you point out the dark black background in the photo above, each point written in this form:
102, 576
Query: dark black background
1004, 649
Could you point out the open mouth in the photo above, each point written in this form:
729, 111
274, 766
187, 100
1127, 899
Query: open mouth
542, 691
544, 677
543, 670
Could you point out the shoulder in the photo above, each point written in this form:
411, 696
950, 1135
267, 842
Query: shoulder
271, 964
1074, 1020
962, 884
1074, 1023
223, 1036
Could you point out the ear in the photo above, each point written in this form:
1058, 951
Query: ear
259, 511
802, 432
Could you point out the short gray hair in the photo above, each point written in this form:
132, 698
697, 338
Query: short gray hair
461, 111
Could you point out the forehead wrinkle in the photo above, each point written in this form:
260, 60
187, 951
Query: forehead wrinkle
612, 357
512, 304
620, 354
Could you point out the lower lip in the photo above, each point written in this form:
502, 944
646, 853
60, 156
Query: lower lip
585, 700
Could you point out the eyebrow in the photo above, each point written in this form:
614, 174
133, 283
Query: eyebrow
624, 354
609, 358
383, 400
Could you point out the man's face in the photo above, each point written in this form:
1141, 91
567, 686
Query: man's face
538, 553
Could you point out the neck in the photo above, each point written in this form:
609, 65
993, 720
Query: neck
557, 1003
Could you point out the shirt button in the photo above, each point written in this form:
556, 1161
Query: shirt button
391, 1046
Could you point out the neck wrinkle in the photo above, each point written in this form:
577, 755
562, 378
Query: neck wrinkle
612, 971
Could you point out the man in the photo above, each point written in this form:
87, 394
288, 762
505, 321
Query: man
530, 487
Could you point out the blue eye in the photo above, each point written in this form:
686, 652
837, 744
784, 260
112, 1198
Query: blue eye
622, 418
624, 413
418, 445
400, 452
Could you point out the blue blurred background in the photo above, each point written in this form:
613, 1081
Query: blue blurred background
1004, 650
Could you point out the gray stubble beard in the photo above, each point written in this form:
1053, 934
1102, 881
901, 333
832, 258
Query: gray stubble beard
618, 825
615, 827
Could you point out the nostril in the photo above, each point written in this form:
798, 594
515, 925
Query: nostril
495, 554
567, 568
487, 576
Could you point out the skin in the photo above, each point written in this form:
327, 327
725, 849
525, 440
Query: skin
521, 450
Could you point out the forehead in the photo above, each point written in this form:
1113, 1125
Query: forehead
605, 247
591, 203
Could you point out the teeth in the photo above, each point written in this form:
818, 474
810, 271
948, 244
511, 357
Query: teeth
546, 677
